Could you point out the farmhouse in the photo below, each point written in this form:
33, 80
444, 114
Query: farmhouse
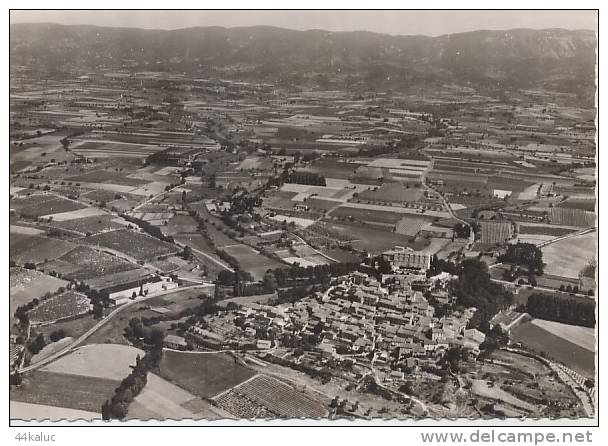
175, 342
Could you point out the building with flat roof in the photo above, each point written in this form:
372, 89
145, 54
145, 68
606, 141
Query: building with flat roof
401, 257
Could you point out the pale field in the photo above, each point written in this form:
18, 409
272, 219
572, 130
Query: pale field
14, 229
109, 361
529, 193
73, 215
396, 209
568, 257
301, 222
39, 412
582, 336
535, 239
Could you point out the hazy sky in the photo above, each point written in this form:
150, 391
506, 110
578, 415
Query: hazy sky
431, 23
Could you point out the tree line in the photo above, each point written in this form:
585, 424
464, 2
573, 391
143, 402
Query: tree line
565, 309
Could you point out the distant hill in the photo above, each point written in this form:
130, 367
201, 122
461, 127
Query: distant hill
556, 59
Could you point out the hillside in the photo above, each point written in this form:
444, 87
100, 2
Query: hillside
555, 59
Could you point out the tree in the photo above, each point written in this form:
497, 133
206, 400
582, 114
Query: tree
187, 253
270, 282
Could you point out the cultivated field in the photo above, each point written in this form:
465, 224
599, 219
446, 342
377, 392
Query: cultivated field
64, 305
37, 249
540, 340
26, 285
582, 336
85, 263
39, 205
495, 232
204, 375
39, 412
132, 243
580, 251
64, 390
162, 400
264, 396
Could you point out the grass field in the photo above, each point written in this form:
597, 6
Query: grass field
39, 412
162, 400
252, 261
28, 284
582, 336
371, 240
540, 340
64, 390
93, 361
204, 375
581, 250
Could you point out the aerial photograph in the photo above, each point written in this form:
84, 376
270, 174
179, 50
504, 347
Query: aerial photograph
259, 215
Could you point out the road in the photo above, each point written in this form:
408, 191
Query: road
207, 256
452, 214
97, 326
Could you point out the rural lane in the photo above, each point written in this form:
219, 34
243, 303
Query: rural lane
97, 326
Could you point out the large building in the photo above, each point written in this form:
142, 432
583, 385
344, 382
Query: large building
401, 257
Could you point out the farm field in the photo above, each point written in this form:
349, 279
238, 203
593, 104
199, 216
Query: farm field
132, 243
392, 192
105, 176
67, 304
162, 400
252, 261
27, 285
571, 217
264, 396
396, 209
582, 204
581, 250
48, 204
37, 249
554, 231
73, 215
204, 375
556, 347
582, 336
365, 238
91, 361
94, 224
85, 263
495, 232
384, 216
39, 412
64, 390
